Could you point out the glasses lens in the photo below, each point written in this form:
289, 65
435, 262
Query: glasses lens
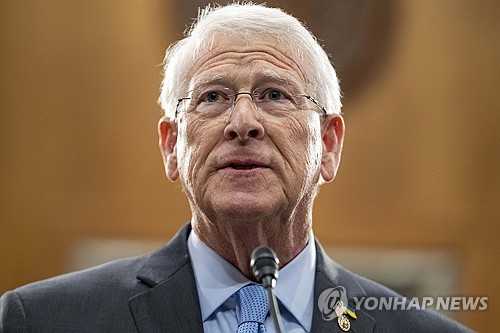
210, 101
278, 101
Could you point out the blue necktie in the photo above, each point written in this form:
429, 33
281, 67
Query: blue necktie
254, 306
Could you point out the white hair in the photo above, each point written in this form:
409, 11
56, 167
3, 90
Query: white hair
246, 20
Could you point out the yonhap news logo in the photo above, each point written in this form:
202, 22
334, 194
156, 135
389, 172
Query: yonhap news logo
328, 301
333, 303
440, 303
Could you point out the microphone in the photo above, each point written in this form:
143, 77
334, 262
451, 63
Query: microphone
264, 264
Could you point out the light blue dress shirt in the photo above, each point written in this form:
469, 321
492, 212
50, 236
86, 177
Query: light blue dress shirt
217, 280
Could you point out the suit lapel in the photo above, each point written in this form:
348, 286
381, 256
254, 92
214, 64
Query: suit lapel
331, 275
170, 304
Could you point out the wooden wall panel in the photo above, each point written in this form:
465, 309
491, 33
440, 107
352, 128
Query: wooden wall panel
78, 148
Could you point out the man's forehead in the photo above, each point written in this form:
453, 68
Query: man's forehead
263, 51
258, 76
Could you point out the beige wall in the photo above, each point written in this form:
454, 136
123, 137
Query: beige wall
78, 148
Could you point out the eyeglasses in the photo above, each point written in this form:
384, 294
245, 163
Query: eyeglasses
273, 101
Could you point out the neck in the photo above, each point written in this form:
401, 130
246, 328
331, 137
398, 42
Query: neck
235, 240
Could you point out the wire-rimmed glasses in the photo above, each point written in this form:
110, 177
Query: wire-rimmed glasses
214, 101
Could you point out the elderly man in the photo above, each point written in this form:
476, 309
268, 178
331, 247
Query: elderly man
252, 127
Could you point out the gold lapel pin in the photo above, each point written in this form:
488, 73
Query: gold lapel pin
344, 323
341, 310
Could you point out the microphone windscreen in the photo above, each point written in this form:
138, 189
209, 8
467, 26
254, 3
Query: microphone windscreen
264, 264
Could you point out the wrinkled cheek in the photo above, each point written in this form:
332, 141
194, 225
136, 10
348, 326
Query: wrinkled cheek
315, 148
183, 158
185, 152
191, 158
314, 153
311, 139
311, 160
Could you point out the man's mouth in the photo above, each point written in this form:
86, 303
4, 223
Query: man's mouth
243, 166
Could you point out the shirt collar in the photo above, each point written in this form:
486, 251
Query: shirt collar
217, 280
295, 285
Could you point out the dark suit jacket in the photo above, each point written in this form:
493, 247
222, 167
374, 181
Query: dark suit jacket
157, 293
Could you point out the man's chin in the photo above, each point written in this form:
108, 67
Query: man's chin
244, 208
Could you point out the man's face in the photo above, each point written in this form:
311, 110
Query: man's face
245, 163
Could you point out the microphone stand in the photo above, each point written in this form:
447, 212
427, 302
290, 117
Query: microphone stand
264, 266
274, 309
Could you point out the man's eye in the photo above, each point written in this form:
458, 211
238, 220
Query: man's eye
274, 95
211, 97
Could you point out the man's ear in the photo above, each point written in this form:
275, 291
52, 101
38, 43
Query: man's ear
167, 132
333, 140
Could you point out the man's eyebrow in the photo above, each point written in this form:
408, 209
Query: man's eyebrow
218, 78
265, 76
273, 76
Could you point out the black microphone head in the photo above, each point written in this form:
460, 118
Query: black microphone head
264, 264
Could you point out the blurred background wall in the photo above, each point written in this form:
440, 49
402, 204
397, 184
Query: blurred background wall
78, 143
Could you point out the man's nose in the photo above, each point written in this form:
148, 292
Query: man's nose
244, 121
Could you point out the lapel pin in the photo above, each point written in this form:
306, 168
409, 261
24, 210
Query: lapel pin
351, 312
341, 310
344, 323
